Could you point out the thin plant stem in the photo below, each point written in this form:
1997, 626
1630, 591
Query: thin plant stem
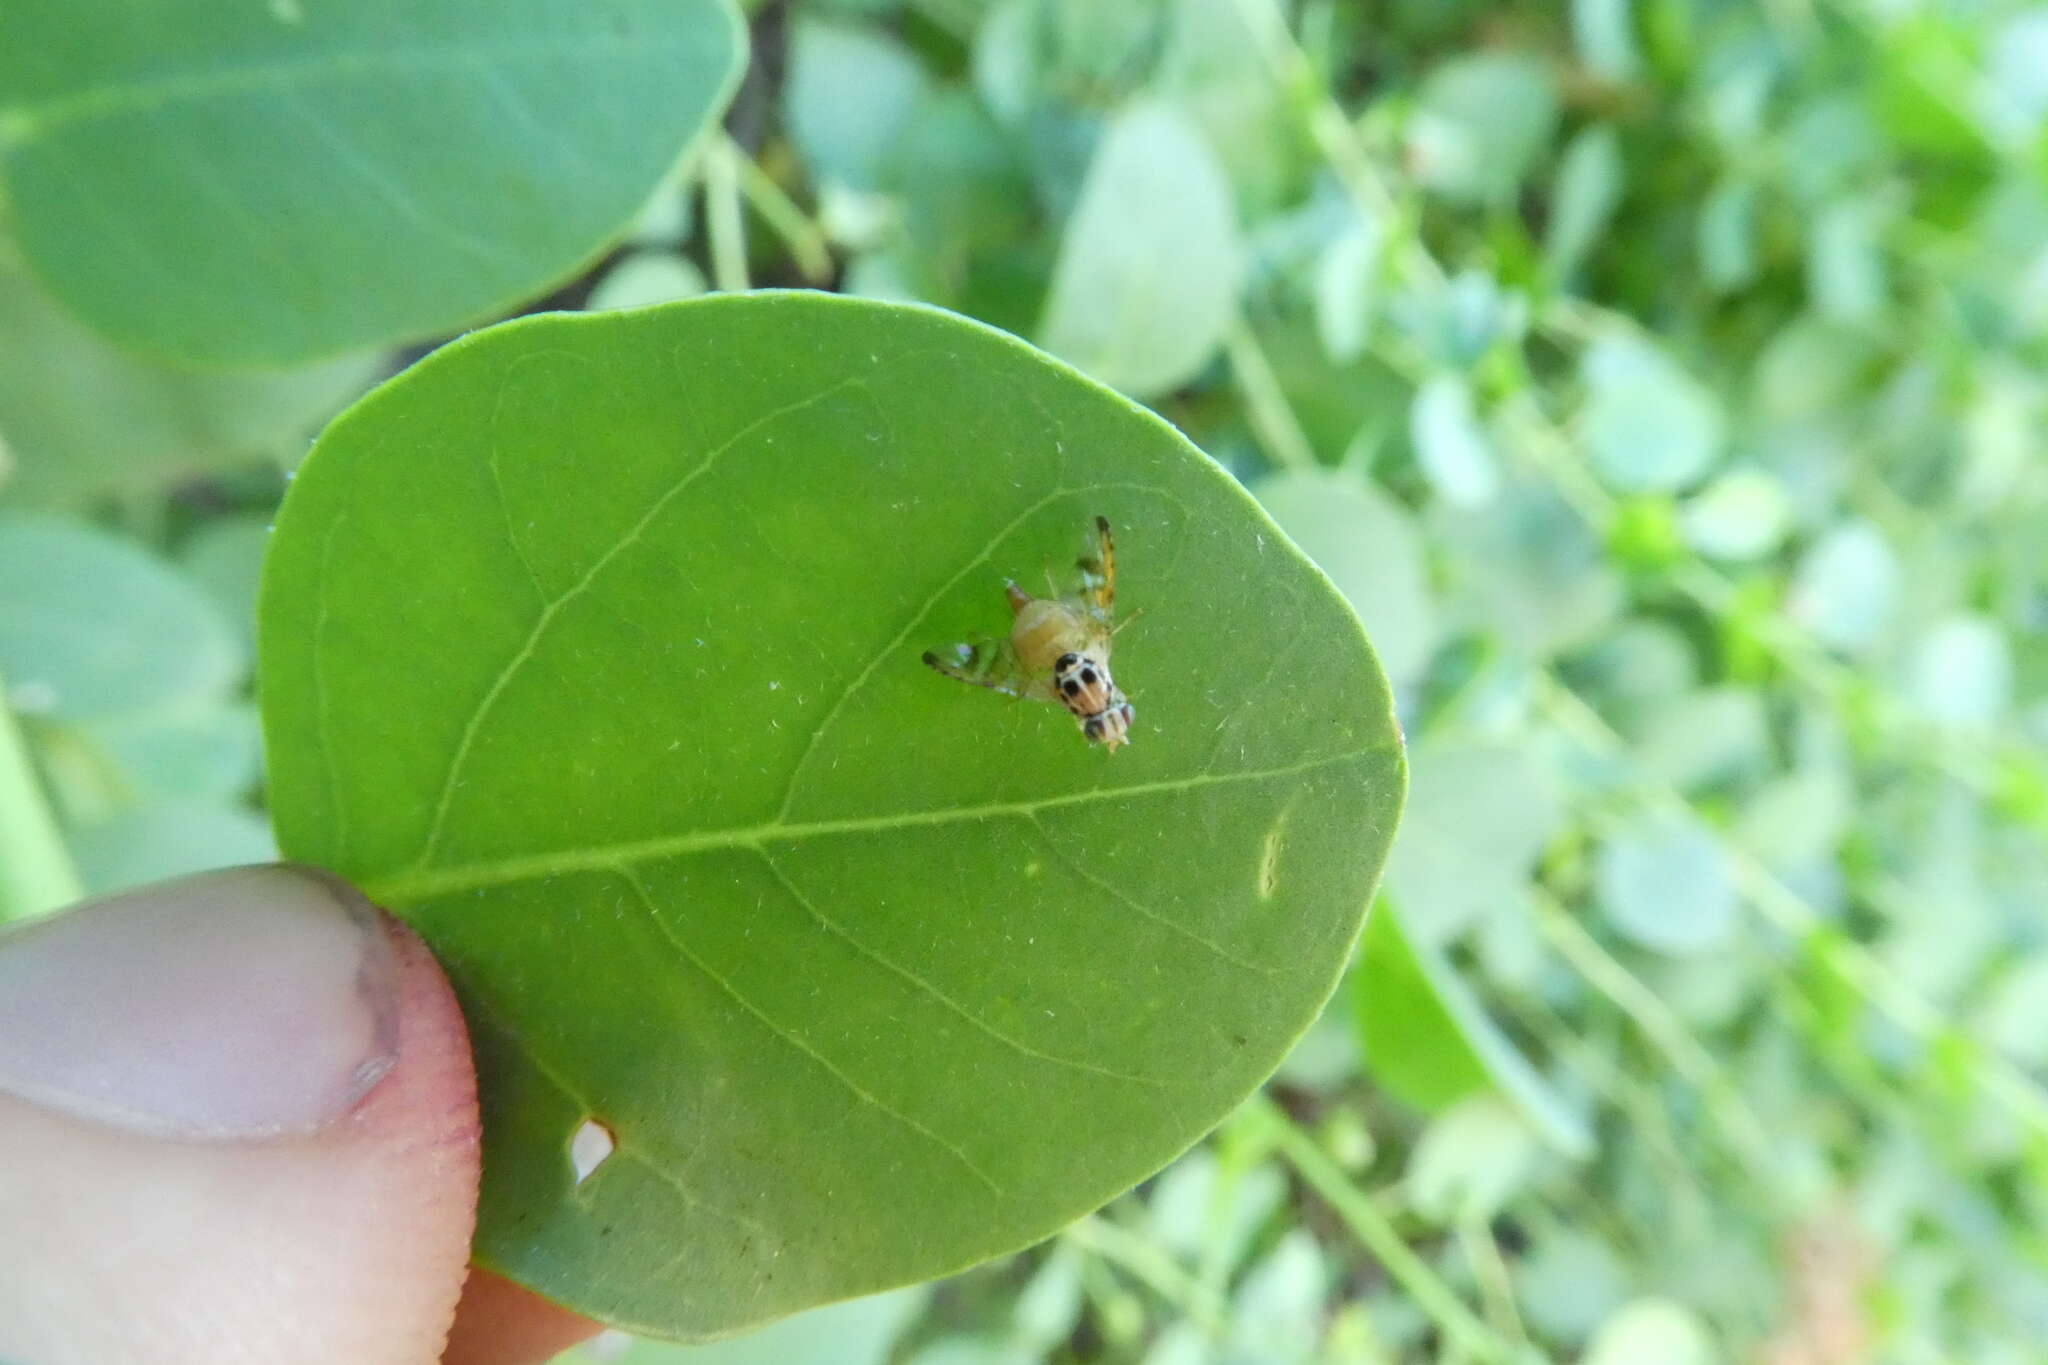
1662, 1028
1460, 1326
1272, 416
1151, 1267
1490, 1271
726, 224
804, 238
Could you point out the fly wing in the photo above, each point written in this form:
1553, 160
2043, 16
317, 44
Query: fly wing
988, 663
1098, 570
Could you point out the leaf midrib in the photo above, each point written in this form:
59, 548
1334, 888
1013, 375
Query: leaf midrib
23, 123
412, 887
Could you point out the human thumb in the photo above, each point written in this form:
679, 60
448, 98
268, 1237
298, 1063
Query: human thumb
238, 1123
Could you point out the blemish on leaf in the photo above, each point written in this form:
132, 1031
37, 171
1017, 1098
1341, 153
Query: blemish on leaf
1269, 853
590, 1146
1269, 863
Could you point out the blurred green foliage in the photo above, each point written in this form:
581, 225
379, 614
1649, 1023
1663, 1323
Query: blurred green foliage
1663, 382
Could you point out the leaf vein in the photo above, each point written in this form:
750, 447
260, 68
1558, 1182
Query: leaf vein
1130, 902
853, 1087
402, 202
419, 883
553, 607
623, 1145
955, 1007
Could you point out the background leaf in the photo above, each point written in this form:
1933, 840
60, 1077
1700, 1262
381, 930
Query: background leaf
1449, 443
857, 1332
321, 177
168, 839
851, 92
84, 418
1150, 261
1367, 543
1478, 816
1480, 121
1429, 1041
1649, 425
91, 626
870, 974
1665, 882
1588, 188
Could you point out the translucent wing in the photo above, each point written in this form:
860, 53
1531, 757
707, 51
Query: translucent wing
992, 664
1098, 570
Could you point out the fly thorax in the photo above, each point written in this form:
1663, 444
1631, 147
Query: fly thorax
1083, 682
1046, 629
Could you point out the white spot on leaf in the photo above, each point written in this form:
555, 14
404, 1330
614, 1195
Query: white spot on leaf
588, 1149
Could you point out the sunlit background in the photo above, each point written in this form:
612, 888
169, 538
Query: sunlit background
1662, 380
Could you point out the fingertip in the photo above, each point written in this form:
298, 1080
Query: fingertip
344, 1247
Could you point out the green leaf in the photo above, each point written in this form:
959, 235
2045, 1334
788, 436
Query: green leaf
1470, 1161
1278, 1310
1743, 515
1727, 235
1569, 1280
2015, 100
1149, 266
850, 94
1480, 122
84, 418
1429, 1041
1199, 1208
208, 751
267, 184
1664, 881
1653, 1328
1449, 443
1589, 179
1845, 274
1347, 288
224, 559
1367, 543
1649, 424
1528, 568
1847, 586
1962, 673
1050, 1303
1604, 34
647, 277
606, 676
1697, 739
168, 839
91, 626
1478, 817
